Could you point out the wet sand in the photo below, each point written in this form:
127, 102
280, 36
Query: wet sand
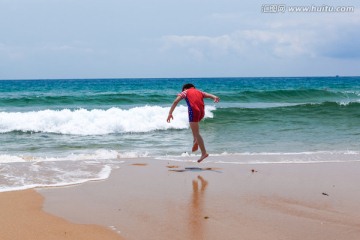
151, 199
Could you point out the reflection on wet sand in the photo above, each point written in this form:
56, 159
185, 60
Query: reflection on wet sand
196, 210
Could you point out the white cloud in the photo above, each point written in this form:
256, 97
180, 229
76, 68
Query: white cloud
315, 36
274, 43
204, 46
278, 43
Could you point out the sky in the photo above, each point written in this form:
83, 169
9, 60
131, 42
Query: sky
70, 39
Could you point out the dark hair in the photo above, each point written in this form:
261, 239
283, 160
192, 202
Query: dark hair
188, 86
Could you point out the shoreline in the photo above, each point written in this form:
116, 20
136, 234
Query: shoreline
56, 173
151, 199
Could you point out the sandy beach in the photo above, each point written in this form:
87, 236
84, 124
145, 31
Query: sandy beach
22, 218
152, 199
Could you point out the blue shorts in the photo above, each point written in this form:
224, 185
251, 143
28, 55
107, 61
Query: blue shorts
195, 115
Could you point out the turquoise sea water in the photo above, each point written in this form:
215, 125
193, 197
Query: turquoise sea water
97, 120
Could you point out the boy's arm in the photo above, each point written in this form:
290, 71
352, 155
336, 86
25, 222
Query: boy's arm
213, 97
176, 101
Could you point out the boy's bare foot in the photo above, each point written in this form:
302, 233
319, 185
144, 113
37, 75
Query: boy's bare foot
202, 157
195, 147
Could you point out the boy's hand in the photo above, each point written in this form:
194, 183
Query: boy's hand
169, 117
216, 99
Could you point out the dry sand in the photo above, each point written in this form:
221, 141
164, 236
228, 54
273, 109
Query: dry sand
150, 199
22, 218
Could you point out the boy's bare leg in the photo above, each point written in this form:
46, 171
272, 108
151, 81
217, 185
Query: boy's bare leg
196, 132
195, 146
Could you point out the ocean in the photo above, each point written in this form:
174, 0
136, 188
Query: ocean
63, 132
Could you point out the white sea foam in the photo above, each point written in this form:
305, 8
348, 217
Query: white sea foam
259, 105
46, 175
100, 154
5, 158
96, 121
20, 172
26, 175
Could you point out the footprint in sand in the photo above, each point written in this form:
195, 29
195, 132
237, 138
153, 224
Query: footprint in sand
172, 166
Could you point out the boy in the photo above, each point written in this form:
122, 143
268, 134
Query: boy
196, 108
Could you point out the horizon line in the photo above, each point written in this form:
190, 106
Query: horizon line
150, 78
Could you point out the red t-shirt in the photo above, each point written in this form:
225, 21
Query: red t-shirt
195, 101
